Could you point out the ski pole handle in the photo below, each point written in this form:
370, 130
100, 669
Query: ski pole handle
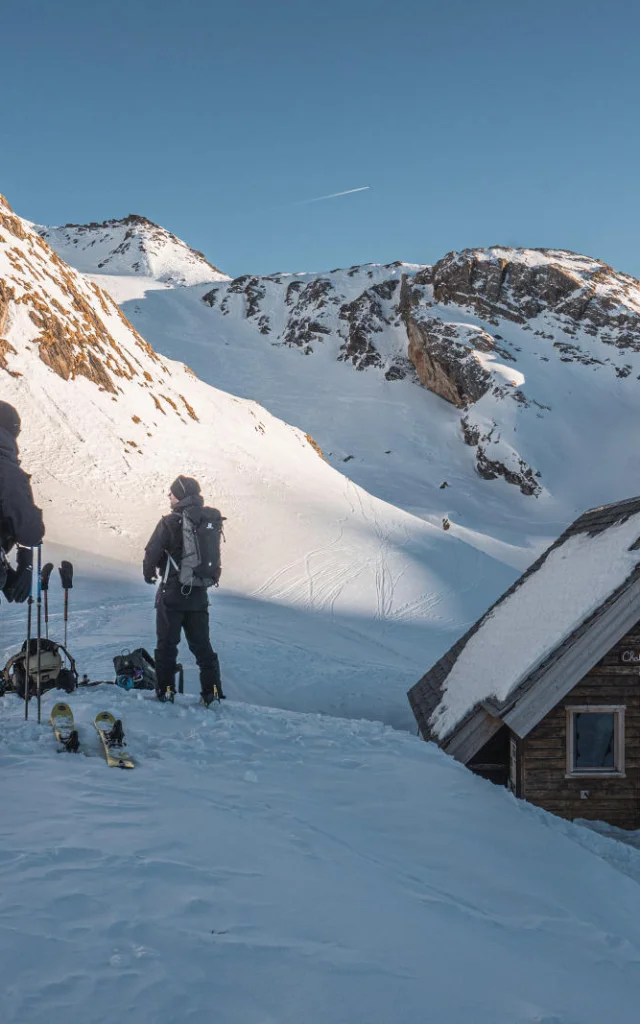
45, 576
66, 575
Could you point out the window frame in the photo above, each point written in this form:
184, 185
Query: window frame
618, 769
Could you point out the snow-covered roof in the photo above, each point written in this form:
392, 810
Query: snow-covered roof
571, 582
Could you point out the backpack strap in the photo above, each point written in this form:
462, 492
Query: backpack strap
170, 560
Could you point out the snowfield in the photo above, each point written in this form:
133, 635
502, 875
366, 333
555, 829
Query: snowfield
263, 866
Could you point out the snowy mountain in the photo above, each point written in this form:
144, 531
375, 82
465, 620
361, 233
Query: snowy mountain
108, 423
133, 245
495, 389
262, 865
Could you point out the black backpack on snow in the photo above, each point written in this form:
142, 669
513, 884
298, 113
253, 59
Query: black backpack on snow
200, 565
135, 670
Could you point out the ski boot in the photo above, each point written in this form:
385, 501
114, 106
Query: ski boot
166, 696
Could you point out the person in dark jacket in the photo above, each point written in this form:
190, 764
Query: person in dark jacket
178, 607
21, 522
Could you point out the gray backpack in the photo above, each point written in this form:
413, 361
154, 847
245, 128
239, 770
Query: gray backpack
200, 565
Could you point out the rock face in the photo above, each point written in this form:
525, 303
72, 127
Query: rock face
356, 308
445, 361
521, 285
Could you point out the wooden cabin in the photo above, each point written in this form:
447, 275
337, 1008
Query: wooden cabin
542, 694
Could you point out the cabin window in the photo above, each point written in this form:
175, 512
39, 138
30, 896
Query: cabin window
595, 740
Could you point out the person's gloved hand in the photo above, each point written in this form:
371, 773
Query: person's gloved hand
151, 579
9, 582
20, 586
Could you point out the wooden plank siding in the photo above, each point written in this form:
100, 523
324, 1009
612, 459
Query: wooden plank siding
542, 755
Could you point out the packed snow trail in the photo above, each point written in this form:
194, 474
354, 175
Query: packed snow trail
262, 866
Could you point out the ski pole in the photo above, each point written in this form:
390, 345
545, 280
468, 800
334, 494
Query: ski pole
44, 582
66, 577
28, 651
39, 642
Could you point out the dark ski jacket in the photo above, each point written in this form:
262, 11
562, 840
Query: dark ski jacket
166, 540
20, 518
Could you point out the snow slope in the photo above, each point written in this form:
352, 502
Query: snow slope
264, 866
561, 405
394, 438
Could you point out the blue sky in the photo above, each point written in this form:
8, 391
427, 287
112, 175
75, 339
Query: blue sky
475, 123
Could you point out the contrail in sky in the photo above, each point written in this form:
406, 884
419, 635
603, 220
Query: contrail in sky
334, 195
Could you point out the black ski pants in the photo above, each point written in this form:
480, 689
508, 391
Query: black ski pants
170, 621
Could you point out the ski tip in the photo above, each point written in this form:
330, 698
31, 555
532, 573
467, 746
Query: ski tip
60, 710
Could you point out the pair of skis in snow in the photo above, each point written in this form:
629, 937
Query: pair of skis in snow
108, 728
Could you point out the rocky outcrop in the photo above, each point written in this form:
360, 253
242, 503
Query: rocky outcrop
495, 286
7, 295
444, 358
504, 284
511, 468
9, 221
364, 317
50, 311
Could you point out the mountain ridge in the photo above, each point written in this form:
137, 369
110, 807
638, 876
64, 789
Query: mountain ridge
131, 244
522, 343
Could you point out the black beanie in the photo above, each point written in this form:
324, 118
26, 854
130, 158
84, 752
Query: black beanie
183, 486
9, 419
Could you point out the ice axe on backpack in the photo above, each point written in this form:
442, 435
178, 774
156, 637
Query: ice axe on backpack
44, 586
66, 578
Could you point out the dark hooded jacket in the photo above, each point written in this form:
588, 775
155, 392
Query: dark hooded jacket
20, 518
166, 540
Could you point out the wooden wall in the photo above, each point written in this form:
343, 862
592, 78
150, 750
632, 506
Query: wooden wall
543, 753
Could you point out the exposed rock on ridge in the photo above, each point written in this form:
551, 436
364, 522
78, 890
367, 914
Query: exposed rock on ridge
75, 327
